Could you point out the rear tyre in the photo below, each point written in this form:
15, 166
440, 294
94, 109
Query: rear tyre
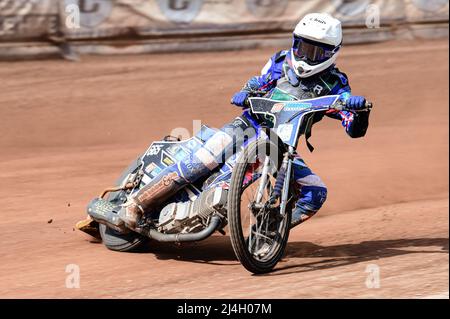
112, 239
259, 245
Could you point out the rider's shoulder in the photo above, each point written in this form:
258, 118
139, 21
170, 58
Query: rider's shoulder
280, 56
275, 63
343, 78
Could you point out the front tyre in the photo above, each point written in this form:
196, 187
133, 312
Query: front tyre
258, 231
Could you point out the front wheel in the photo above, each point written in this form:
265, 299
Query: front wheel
258, 231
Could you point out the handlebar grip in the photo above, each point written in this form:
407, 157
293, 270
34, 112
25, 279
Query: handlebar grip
259, 92
341, 106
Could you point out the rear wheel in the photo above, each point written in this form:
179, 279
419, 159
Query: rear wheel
112, 239
258, 231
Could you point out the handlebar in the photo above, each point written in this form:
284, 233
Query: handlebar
338, 106
253, 94
341, 106
258, 93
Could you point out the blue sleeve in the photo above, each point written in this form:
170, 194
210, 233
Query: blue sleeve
355, 124
271, 72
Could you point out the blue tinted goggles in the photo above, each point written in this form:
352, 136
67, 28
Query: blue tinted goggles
312, 52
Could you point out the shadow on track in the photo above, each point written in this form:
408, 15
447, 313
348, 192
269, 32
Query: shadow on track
347, 254
217, 250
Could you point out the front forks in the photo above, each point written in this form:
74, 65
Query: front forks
281, 189
263, 182
287, 165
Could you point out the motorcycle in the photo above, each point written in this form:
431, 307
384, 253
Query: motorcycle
251, 191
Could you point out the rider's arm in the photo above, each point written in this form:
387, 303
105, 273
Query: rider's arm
272, 71
355, 124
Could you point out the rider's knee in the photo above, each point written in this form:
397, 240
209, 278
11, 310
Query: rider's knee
313, 197
311, 200
320, 196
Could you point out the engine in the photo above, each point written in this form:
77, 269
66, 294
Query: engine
192, 216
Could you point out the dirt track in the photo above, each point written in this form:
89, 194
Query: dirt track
67, 130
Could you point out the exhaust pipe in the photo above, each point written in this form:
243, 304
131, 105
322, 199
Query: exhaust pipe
214, 223
102, 211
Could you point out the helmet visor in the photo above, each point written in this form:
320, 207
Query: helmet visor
312, 52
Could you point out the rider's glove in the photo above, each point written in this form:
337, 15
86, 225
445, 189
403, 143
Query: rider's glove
355, 102
240, 98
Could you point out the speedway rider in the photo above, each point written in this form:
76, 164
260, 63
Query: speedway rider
308, 70
305, 71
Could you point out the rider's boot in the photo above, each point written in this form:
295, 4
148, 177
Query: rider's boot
89, 226
312, 192
311, 200
299, 216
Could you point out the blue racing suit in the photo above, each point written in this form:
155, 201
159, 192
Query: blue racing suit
277, 73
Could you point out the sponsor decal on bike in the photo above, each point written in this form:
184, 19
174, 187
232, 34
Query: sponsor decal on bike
156, 171
153, 169
146, 179
166, 159
181, 154
150, 167
154, 149
178, 152
278, 107
292, 107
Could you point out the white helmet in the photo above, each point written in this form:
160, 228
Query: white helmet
317, 40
